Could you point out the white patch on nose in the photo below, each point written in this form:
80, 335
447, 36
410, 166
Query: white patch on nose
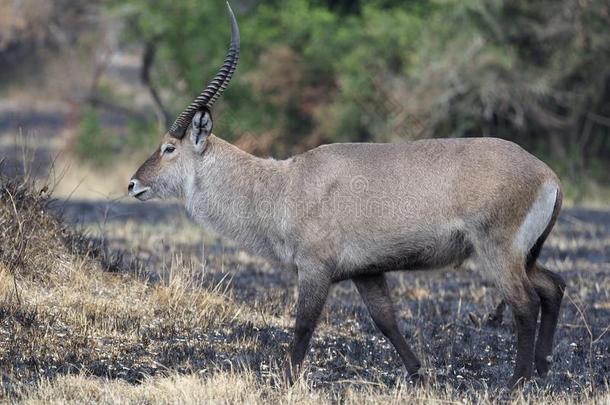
537, 219
136, 189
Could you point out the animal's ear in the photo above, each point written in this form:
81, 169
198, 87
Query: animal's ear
201, 128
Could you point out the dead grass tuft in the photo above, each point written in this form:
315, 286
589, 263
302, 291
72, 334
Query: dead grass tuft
28, 234
63, 312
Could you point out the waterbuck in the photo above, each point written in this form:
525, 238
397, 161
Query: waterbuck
358, 210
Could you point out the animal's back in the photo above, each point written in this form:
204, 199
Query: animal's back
412, 203
442, 176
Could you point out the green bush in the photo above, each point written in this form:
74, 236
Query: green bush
308, 73
92, 145
316, 71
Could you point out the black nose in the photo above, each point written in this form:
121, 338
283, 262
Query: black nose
132, 184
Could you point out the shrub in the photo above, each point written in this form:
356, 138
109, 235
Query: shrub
92, 144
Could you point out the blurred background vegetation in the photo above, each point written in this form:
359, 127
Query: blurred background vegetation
320, 71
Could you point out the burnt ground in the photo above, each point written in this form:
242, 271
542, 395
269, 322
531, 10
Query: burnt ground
443, 313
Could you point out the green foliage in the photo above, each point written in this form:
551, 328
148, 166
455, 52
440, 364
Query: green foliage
537, 73
307, 73
142, 134
315, 71
91, 144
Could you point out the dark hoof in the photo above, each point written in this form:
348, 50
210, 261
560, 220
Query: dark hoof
543, 365
417, 378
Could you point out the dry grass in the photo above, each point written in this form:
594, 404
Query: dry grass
244, 388
60, 307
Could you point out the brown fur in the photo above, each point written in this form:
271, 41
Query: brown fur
358, 210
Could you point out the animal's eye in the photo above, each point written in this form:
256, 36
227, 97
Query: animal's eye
169, 149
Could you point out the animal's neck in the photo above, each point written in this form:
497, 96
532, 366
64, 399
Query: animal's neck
237, 195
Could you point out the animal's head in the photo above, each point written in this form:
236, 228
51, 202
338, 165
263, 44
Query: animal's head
162, 175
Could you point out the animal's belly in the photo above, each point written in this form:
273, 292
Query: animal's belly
408, 254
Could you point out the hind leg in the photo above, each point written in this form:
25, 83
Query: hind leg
508, 271
525, 305
549, 287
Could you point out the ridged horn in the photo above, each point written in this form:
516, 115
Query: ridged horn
216, 87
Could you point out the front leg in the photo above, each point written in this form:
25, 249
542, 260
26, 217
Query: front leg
376, 295
313, 291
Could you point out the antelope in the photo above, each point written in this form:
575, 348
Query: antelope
359, 210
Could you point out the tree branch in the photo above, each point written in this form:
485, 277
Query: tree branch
148, 59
